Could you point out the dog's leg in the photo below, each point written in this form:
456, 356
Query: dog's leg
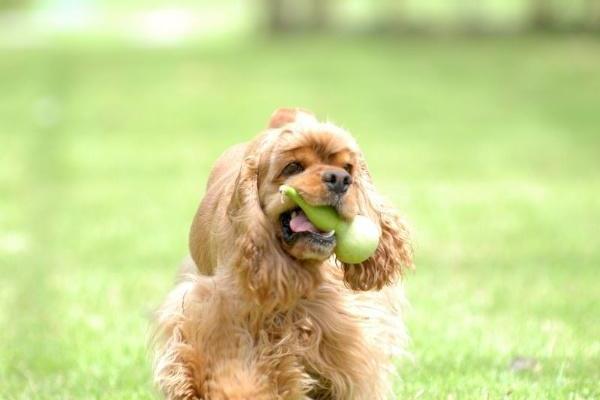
179, 367
350, 359
238, 379
348, 369
201, 350
185, 373
264, 365
179, 371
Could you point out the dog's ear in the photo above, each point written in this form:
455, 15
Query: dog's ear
270, 276
394, 253
283, 116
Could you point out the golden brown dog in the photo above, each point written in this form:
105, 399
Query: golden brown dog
263, 310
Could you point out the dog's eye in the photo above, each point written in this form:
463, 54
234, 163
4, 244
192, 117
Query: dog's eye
292, 168
348, 168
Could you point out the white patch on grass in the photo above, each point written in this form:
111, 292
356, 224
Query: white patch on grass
46, 111
172, 25
165, 25
13, 243
95, 322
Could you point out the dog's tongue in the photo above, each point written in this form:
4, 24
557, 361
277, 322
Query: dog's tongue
301, 224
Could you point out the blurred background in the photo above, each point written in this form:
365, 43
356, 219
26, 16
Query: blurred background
480, 121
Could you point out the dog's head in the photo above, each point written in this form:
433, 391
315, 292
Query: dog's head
275, 241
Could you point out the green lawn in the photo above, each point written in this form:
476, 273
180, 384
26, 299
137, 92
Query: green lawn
491, 147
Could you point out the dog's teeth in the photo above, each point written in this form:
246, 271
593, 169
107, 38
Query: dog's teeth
329, 234
294, 214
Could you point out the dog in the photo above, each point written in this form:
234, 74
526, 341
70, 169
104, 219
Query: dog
262, 309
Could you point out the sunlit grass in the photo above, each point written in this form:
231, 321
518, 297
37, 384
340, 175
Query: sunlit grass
490, 147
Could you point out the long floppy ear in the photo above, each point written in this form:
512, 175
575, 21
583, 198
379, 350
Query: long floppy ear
270, 276
394, 253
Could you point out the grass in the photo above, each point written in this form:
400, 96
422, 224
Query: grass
489, 146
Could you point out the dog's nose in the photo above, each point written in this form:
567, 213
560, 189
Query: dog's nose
337, 181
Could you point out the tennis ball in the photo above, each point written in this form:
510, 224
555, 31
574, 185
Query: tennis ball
356, 240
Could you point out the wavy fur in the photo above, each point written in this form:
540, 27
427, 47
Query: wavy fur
253, 317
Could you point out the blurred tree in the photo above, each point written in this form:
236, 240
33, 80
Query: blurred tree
431, 16
592, 10
321, 11
392, 14
14, 4
287, 15
276, 18
542, 15
472, 16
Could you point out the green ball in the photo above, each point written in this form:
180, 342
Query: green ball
356, 241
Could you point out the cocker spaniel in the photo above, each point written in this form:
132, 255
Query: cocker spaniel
263, 310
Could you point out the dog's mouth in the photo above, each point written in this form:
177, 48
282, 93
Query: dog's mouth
295, 225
